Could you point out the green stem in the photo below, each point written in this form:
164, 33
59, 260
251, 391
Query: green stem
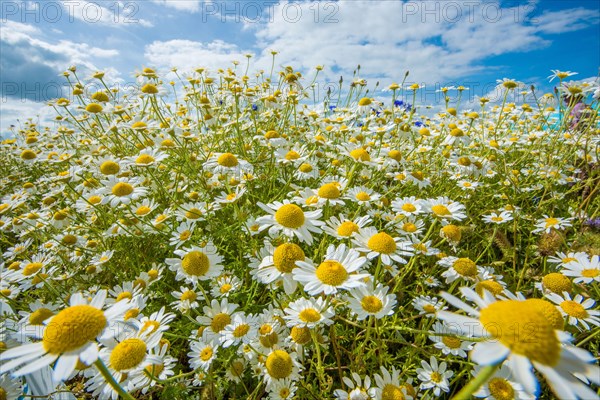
486, 373
111, 380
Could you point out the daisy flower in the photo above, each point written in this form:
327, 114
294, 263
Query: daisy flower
227, 163
388, 386
358, 389
457, 268
290, 220
434, 376
537, 345
225, 285
584, 269
147, 157
278, 266
186, 299
202, 353
501, 386
367, 301
280, 364
547, 223
241, 329
446, 210
121, 190
182, 234
495, 218
380, 244
308, 313
144, 208
330, 193
363, 195
68, 337
196, 263
10, 388
577, 310
216, 317
427, 305
282, 389
336, 272
407, 206
343, 228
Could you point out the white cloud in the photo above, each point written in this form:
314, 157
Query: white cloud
567, 20
16, 111
187, 54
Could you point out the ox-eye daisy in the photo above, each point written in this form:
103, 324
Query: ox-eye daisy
196, 263
343, 228
366, 301
374, 243
583, 269
336, 272
434, 376
390, 387
535, 344
291, 220
68, 337
121, 190
278, 265
308, 313
577, 310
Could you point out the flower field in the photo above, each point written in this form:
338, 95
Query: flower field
215, 235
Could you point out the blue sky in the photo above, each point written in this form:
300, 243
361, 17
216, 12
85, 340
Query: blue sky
466, 42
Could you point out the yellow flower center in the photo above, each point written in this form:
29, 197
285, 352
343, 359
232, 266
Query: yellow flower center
574, 309
155, 369
195, 263
151, 326
279, 364
408, 207
144, 159
451, 342
225, 288
501, 389
3, 395
132, 313
409, 227
300, 335
290, 216
39, 316
241, 330
286, 255
392, 392
395, 155
549, 311
365, 101
465, 267
206, 354
309, 315
193, 213
360, 154
497, 219
72, 328
228, 160
550, 222
28, 155
347, 228
124, 295
32, 268
363, 196
60, 215
440, 210
371, 304
523, 328
128, 354
292, 155
382, 243
185, 235
189, 295
69, 240
436, 377
219, 322
590, 272
452, 233
490, 285
332, 273
556, 283
329, 191
93, 108
122, 189
149, 88
139, 125
306, 168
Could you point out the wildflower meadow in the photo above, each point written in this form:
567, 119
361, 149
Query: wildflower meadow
227, 234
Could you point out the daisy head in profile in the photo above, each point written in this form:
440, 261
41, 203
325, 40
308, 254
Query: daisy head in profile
519, 333
68, 337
